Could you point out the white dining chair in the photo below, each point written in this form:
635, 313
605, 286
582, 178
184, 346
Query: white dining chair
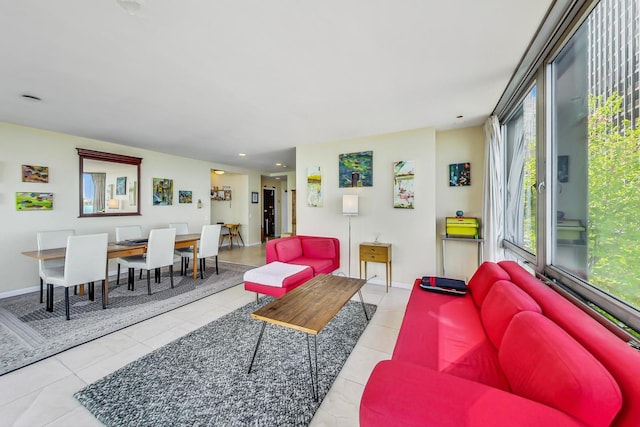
159, 254
85, 262
51, 239
123, 233
207, 246
183, 253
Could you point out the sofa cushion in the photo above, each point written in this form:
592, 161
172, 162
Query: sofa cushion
445, 333
318, 248
544, 363
404, 394
503, 301
485, 276
288, 249
318, 265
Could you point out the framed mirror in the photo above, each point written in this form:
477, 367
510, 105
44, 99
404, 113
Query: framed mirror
109, 184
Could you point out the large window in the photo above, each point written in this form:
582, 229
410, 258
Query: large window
584, 231
521, 199
596, 221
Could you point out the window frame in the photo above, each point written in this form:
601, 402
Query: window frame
560, 25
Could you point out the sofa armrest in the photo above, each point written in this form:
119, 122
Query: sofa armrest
405, 394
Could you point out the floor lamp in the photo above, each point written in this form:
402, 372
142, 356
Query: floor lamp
349, 209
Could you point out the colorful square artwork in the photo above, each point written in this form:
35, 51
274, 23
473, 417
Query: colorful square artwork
356, 169
185, 196
459, 174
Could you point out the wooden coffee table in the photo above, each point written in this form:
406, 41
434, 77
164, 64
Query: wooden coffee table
309, 308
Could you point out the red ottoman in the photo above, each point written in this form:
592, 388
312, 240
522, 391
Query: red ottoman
276, 278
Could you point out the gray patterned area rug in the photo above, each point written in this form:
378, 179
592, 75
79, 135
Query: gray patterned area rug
201, 379
28, 333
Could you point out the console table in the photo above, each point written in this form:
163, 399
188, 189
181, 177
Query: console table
479, 242
376, 252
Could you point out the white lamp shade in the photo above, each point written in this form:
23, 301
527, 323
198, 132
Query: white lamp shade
350, 204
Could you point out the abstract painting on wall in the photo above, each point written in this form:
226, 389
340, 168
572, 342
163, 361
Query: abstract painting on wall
121, 186
459, 174
32, 173
403, 184
314, 187
29, 201
162, 192
356, 169
185, 196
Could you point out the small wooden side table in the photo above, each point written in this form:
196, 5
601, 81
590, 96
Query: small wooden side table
376, 252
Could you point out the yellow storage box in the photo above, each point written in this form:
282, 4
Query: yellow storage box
462, 226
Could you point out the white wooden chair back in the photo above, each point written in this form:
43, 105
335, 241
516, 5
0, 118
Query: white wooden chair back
86, 259
160, 248
128, 232
209, 238
181, 227
50, 240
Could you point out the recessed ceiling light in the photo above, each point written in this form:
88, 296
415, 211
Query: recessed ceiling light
278, 164
31, 97
277, 177
241, 154
218, 172
284, 166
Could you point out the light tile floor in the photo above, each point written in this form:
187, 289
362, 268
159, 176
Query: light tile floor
42, 394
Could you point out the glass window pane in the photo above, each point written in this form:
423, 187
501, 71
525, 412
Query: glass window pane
521, 195
597, 145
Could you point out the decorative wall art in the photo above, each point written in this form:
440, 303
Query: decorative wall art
356, 169
29, 201
403, 184
222, 194
314, 187
162, 192
133, 193
459, 174
32, 173
110, 191
185, 196
254, 197
121, 186
563, 168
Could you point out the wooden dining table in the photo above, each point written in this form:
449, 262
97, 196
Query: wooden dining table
115, 250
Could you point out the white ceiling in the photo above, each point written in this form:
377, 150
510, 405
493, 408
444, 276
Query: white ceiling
209, 79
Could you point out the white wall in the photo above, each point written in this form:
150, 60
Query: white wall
22, 145
235, 211
411, 231
459, 146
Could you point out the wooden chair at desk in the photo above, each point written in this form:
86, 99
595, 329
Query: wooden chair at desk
232, 232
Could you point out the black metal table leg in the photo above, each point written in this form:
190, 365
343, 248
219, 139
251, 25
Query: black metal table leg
313, 366
255, 351
364, 307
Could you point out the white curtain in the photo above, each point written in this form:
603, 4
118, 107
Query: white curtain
99, 191
514, 215
493, 201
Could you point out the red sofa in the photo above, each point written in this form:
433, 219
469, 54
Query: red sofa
322, 254
512, 352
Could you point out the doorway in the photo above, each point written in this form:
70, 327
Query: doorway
269, 212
